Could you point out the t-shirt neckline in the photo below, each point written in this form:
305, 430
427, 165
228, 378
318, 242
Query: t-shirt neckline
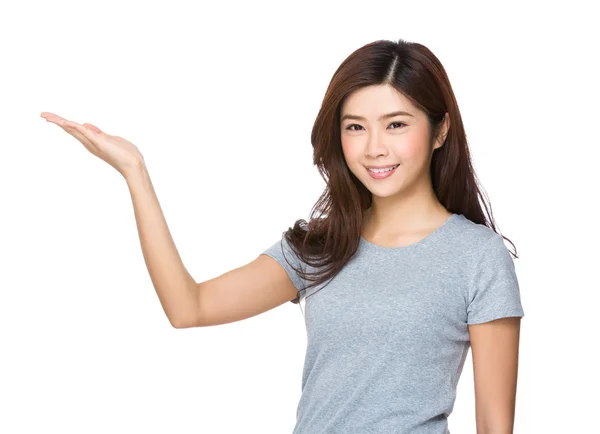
432, 236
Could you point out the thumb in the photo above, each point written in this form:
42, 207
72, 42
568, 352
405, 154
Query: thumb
93, 128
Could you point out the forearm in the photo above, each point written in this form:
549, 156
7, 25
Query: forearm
496, 428
500, 423
171, 280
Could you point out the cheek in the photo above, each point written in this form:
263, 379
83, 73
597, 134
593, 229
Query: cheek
351, 152
410, 149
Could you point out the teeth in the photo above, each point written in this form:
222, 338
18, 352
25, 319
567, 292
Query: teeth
383, 170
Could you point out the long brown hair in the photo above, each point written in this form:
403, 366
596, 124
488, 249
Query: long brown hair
332, 235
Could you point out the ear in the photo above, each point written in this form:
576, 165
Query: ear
443, 132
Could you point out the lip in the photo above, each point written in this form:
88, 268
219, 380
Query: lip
381, 167
383, 175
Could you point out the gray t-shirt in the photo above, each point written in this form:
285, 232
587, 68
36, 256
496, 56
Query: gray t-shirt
387, 338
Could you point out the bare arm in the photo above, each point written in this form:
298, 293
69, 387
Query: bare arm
244, 292
172, 282
240, 293
495, 349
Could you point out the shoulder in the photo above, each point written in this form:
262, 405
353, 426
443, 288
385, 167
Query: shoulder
483, 254
475, 237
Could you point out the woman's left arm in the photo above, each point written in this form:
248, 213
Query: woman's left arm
495, 351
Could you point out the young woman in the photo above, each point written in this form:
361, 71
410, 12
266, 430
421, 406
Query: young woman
398, 267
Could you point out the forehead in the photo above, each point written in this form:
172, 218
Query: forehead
376, 99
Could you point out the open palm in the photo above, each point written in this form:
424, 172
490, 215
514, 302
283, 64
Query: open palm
116, 151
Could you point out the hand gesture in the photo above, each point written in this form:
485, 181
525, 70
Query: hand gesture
116, 151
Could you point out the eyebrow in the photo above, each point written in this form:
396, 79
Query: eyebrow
388, 115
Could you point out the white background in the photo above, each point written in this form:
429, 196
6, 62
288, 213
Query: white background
220, 98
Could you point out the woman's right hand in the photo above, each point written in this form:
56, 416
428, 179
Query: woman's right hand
116, 151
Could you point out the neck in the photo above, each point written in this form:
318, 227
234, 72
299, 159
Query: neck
416, 212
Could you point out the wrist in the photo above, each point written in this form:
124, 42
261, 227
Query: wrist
134, 170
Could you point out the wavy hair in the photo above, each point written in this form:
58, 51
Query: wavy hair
332, 235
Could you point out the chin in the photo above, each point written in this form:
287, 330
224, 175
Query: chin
384, 192
383, 195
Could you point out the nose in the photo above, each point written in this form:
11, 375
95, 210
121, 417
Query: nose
375, 146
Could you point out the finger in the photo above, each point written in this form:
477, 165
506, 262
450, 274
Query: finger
72, 131
69, 127
82, 139
51, 118
93, 128
46, 115
85, 131
65, 125
80, 133
55, 120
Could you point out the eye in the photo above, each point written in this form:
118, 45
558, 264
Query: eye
398, 123
349, 127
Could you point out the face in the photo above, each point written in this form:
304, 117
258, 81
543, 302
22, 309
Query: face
374, 134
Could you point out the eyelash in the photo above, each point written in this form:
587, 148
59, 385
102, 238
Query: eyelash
351, 125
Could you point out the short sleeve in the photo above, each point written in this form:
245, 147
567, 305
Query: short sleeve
494, 290
277, 252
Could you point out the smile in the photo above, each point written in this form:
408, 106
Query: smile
382, 173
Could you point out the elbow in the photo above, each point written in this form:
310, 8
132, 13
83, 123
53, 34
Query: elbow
179, 323
183, 318
176, 325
